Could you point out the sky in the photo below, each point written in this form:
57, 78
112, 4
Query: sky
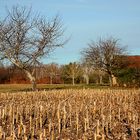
86, 20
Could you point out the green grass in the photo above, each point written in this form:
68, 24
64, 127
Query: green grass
28, 87
14, 87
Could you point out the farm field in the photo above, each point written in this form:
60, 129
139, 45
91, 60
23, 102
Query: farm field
70, 114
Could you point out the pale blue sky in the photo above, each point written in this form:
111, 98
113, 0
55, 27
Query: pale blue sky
87, 20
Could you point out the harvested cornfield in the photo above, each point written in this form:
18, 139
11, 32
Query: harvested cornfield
84, 114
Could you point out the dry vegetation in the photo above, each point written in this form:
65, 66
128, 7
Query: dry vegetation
84, 114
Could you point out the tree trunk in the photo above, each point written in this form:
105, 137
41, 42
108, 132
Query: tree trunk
100, 74
100, 79
34, 86
73, 80
32, 80
87, 79
110, 80
113, 80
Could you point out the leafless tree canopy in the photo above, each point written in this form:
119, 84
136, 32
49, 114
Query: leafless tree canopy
24, 39
104, 55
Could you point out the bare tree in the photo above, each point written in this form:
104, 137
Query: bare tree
52, 70
86, 70
25, 39
72, 71
105, 55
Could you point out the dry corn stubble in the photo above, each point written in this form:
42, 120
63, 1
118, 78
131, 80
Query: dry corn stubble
70, 114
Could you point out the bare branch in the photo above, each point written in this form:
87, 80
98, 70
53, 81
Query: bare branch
104, 55
24, 39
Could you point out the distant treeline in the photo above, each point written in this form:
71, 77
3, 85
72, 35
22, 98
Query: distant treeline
74, 73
